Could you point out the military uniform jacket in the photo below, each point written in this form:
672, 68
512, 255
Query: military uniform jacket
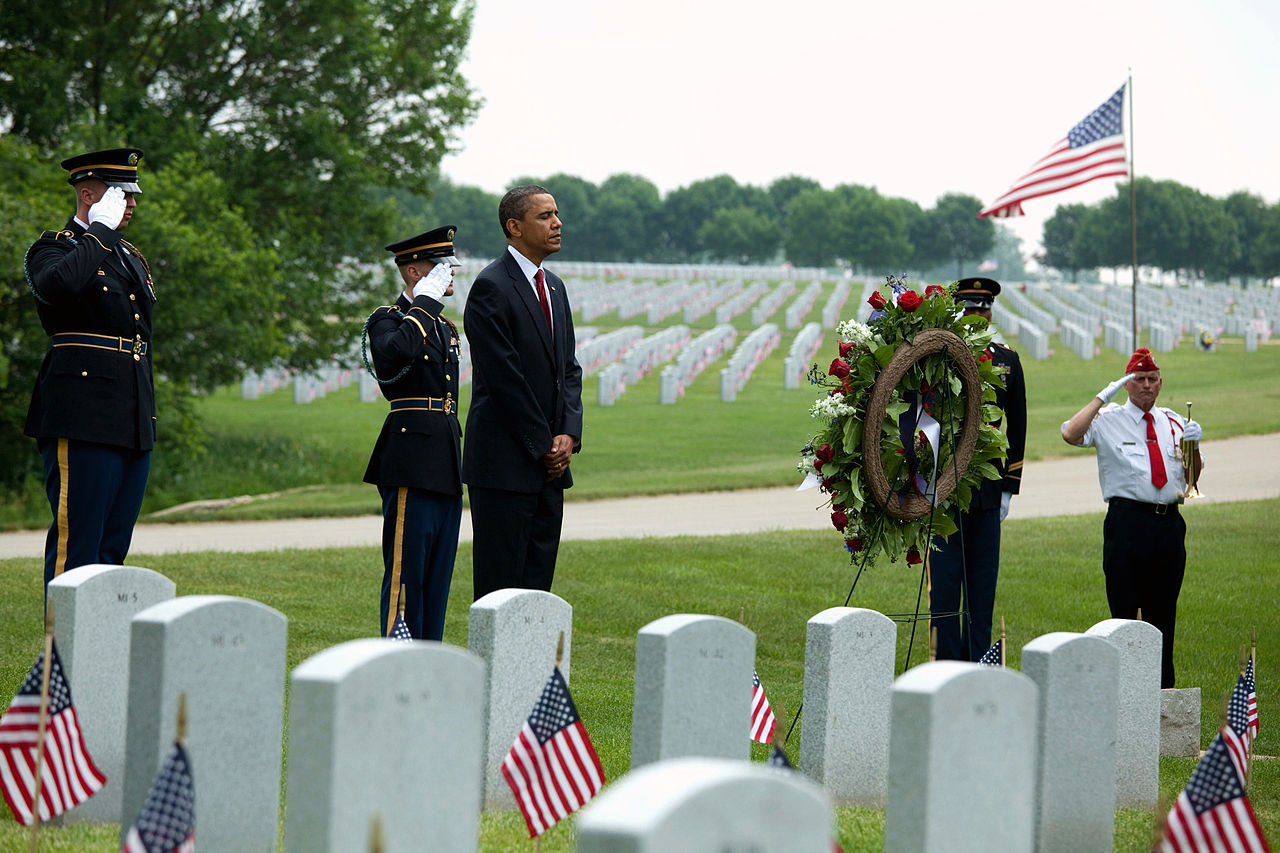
1012, 400
94, 295
420, 443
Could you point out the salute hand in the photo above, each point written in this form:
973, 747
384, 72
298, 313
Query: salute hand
109, 210
434, 283
1106, 394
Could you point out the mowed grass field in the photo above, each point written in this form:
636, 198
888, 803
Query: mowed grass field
1050, 581
311, 457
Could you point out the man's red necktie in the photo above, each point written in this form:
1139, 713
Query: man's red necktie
546, 306
1158, 478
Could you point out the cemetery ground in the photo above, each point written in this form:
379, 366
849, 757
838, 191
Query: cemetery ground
1050, 581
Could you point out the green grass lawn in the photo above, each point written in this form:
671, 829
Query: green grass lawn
1051, 581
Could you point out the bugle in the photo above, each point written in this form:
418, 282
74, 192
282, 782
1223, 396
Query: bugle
1190, 453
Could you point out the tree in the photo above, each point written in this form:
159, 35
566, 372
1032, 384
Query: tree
1060, 235
810, 240
1249, 213
872, 230
959, 231
472, 210
741, 235
685, 210
784, 189
627, 210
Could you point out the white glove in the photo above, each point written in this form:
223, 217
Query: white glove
434, 283
109, 210
1107, 393
1192, 431
1005, 499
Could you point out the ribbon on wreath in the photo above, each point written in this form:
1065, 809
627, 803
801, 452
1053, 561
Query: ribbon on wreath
916, 420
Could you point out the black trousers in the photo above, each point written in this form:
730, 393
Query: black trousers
1144, 557
950, 566
419, 543
516, 537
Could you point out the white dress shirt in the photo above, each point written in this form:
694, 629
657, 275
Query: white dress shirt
1124, 466
528, 267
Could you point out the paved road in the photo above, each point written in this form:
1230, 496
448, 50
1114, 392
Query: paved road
1064, 486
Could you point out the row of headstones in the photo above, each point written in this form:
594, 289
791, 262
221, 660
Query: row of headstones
603, 350
746, 358
1118, 337
1017, 302
835, 304
703, 305
739, 302
639, 361
801, 305
1077, 340
692, 360
672, 297
1067, 314
799, 358
1163, 338
770, 302
1031, 340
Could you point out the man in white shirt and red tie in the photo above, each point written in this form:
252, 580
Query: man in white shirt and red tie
1143, 480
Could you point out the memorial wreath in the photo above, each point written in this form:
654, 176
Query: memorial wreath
918, 373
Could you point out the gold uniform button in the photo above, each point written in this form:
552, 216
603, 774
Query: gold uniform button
136, 317
137, 357
402, 429
104, 289
84, 373
447, 377
132, 297
426, 358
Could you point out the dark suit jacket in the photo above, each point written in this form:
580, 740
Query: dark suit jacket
418, 447
93, 284
526, 387
1012, 400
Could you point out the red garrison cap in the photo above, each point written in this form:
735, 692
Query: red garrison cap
1141, 361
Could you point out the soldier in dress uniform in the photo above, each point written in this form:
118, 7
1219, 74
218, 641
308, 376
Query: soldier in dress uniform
968, 561
92, 413
416, 463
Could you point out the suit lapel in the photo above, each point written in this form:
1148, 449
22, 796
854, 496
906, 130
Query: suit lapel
524, 292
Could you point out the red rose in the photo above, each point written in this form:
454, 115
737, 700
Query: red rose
838, 368
913, 558
845, 348
840, 391
825, 453
877, 301
935, 290
839, 519
854, 544
817, 465
910, 301
986, 356
828, 483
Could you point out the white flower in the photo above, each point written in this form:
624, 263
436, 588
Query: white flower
855, 332
831, 407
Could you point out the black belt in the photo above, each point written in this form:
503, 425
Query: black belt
1142, 506
113, 343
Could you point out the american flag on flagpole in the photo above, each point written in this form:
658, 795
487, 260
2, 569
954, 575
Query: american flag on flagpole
399, 630
167, 823
552, 767
1251, 703
1092, 149
1212, 814
762, 721
1236, 731
778, 758
992, 655
68, 775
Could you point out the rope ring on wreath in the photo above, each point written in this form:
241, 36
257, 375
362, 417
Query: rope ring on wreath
927, 343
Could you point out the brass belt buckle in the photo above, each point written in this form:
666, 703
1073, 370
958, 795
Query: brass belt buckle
448, 403
137, 347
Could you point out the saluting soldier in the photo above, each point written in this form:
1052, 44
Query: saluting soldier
968, 561
416, 463
93, 409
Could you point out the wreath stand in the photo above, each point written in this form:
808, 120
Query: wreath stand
911, 506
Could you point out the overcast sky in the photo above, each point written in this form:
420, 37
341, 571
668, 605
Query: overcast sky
917, 99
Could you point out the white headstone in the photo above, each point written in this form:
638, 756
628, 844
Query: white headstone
692, 689
93, 607
961, 760
515, 632
848, 680
228, 655
1079, 681
695, 805
1180, 721
395, 728
1138, 715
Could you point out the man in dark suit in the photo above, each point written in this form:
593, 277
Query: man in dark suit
968, 561
416, 463
525, 418
92, 413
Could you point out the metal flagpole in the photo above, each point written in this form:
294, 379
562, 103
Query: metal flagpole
42, 725
1133, 215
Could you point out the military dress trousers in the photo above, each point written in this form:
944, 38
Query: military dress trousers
416, 463
92, 412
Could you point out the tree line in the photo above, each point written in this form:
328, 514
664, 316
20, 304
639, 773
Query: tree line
1179, 230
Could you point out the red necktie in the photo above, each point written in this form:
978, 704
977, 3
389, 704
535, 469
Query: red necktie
542, 297
1158, 478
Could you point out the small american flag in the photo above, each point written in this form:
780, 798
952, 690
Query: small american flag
552, 767
68, 775
762, 721
167, 823
993, 655
778, 758
1236, 732
1212, 814
399, 630
1251, 702
1092, 149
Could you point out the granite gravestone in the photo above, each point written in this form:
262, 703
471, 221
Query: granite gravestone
1138, 714
228, 655
694, 805
1079, 681
848, 679
515, 632
961, 760
93, 609
379, 726
692, 689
